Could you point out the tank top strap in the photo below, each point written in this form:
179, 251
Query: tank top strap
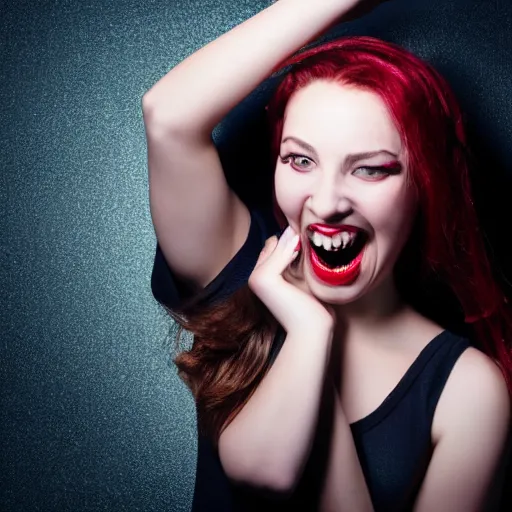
439, 360
418, 391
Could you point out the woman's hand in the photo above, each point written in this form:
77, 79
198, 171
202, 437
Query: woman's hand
295, 309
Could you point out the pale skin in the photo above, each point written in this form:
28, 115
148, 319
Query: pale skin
342, 339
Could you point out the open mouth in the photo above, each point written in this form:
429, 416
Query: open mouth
336, 255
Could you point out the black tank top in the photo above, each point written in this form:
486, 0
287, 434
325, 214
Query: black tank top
393, 442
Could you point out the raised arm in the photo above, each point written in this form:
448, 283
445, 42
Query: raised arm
199, 222
196, 94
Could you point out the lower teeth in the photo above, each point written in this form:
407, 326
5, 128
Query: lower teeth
335, 260
340, 259
342, 268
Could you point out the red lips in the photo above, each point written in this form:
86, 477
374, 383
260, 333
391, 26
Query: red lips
342, 276
323, 229
336, 277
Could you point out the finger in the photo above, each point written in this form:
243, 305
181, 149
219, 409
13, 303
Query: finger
267, 250
282, 253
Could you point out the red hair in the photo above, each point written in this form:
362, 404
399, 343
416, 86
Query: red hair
232, 340
429, 120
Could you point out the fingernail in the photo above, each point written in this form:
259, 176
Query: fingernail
298, 246
279, 234
287, 231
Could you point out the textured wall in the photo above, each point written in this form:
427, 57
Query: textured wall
93, 416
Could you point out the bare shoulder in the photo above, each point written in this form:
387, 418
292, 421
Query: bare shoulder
475, 391
470, 430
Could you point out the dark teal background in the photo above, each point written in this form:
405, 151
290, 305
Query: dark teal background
93, 416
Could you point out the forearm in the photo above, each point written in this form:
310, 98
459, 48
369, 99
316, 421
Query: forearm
268, 442
202, 89
345, 487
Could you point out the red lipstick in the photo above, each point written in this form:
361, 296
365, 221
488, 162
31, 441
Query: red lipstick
340, 276
326, 230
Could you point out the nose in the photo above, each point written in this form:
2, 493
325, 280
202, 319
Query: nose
330, 199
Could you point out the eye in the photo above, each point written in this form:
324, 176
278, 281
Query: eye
375, 173
297, 158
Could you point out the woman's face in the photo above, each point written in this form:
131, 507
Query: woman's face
354, 212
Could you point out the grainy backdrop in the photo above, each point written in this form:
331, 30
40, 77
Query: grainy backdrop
92, 414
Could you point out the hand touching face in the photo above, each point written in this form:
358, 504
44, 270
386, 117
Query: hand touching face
295, 308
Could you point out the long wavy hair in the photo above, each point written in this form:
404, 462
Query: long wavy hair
444, 261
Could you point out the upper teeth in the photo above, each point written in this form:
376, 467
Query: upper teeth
339, 240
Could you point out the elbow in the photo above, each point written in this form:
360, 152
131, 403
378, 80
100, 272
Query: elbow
266, 476
275, 483
280, 485
152, 114
157, 117
147, 104
152, 98
167, 121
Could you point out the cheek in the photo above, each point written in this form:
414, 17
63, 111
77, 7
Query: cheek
290, 195
395, 220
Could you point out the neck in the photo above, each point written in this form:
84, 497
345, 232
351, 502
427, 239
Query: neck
372, 312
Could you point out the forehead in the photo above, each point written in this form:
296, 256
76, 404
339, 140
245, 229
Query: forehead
332, 116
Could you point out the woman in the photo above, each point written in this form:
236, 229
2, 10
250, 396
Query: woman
320, 379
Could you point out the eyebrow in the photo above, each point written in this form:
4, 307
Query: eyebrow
349, 160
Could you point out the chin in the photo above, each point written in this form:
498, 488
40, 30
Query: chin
369, 279
341, 294
338, 296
